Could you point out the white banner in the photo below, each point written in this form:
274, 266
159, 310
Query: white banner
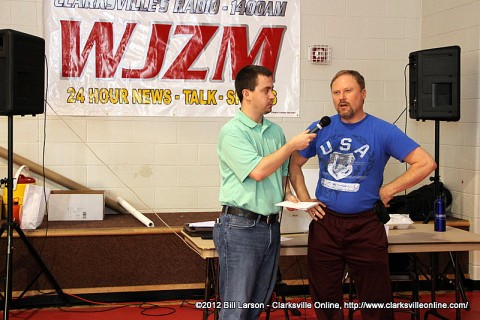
167, 57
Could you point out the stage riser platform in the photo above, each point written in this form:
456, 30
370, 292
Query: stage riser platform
120, 254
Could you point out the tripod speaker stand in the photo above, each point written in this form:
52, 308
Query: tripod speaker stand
9, 227
434, 258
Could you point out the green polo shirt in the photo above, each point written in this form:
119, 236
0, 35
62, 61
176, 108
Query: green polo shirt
242, 143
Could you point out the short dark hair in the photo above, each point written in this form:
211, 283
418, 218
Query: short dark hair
247, 78
358, 77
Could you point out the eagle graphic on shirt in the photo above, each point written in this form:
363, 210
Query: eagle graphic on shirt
340, 165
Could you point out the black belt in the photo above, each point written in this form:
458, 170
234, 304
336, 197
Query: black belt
249, 214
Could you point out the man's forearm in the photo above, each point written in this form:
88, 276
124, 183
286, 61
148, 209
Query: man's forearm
296, 177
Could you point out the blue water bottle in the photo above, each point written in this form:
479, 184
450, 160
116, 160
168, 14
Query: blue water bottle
440, 220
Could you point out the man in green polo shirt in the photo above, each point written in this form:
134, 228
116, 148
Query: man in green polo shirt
253, 157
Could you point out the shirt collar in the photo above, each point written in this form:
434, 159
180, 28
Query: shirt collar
242, 117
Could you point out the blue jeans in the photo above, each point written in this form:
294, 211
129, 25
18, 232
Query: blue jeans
248, 254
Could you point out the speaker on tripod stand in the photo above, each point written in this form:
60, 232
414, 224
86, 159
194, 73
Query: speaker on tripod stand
435, 95
22, 82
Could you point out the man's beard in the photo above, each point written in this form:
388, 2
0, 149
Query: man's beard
347, 114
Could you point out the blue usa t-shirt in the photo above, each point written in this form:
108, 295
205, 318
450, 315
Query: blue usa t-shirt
352, 159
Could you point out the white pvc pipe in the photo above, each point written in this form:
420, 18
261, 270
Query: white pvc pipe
137, 214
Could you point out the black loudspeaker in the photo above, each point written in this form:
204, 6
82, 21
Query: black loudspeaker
435, 84
22, 73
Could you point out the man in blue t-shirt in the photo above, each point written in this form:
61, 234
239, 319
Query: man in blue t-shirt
352, 152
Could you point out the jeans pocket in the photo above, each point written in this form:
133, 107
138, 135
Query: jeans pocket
241, 222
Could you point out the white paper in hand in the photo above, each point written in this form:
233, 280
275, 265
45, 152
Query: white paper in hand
297, 205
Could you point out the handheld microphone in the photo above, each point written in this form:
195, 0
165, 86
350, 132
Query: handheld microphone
325, 121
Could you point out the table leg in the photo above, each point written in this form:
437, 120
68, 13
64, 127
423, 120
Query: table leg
211, 283
215, 276
206, 292
461, 278
457, 284
433, 280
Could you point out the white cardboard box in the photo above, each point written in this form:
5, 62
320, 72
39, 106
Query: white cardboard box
76, 205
